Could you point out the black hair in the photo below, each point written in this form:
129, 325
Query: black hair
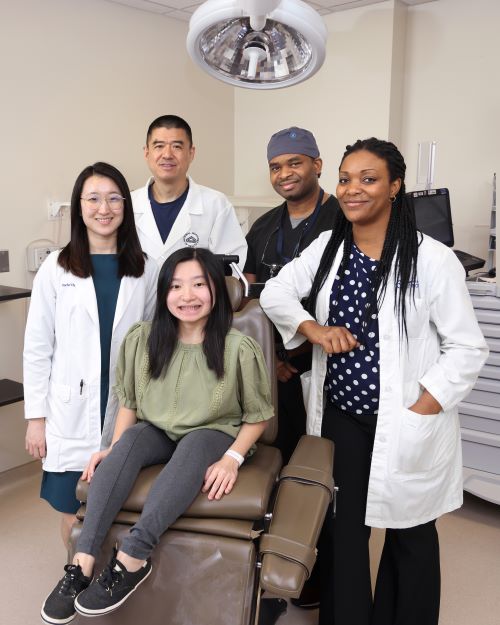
170, 121
401, 239
75, 257
164, 327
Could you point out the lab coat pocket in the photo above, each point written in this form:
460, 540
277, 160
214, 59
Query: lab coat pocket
305, 380
418, 445
68, 411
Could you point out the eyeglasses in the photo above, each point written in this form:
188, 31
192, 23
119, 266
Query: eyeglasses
114, 201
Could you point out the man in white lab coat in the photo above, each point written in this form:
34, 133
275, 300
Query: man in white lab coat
171, 210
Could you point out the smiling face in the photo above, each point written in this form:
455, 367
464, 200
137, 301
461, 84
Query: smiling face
295, 176
364, 190
102, 210
169, 154
189, 298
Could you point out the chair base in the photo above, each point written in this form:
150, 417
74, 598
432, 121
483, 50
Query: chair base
197, 578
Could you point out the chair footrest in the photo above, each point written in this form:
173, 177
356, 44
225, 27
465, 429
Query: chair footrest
301, 554
304, 493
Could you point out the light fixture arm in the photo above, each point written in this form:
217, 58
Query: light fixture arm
258, 10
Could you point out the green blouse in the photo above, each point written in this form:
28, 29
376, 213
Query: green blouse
190, 396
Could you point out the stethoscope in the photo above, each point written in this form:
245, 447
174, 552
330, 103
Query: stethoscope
274, 268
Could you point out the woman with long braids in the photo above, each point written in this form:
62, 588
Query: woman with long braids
396, 347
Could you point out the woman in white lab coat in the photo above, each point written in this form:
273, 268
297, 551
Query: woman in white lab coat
396, 346
84, 300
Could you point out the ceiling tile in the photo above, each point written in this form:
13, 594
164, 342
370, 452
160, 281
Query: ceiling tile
152, 7
182, 9
180, 5
184, 16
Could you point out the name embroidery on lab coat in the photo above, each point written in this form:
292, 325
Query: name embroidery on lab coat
191, 239
412, 284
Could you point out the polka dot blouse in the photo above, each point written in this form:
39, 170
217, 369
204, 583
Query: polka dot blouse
352, 378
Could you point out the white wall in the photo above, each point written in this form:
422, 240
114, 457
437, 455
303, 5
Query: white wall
452, 95
80, 82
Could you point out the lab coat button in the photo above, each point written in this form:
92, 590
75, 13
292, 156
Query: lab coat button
388, 389
387, 337
382, 439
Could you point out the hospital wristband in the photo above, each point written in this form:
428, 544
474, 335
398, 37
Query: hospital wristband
236, 456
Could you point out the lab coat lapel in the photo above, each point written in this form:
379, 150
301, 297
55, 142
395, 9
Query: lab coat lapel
145, 221
88, 297
323, 300
127, 289
146, 225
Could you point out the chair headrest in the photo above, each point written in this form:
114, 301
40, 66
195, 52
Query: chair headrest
235, 290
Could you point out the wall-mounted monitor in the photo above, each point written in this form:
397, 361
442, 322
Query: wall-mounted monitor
433, 217
433, 214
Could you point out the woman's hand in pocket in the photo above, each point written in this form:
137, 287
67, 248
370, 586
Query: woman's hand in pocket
426, 404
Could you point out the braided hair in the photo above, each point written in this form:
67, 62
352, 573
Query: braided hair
401, 240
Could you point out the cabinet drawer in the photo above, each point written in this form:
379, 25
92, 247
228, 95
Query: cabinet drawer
477, 396
478, 410
490, 372
480, 424
490, 330
494, 345
493, 358
481, 450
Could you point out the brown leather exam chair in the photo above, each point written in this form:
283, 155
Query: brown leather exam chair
212, 564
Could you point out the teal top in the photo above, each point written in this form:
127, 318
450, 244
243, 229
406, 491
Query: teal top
190, 396
107, 286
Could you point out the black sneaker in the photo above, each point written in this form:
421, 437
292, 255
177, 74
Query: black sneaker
59, 607
111, 589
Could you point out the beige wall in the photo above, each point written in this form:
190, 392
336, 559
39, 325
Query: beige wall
452, 95
350, 97
420, 73
80, 82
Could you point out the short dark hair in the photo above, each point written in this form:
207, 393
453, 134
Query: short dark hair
170, 121
75, 257
164, 327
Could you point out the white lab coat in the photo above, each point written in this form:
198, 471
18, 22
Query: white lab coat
62, 348
207, 219
416, 469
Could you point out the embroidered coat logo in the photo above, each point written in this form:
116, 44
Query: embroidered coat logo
191, 239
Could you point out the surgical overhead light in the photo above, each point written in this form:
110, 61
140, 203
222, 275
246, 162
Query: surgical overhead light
257, 44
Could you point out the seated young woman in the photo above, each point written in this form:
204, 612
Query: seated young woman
203, 436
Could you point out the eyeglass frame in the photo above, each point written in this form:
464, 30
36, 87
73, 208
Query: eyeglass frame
102, 198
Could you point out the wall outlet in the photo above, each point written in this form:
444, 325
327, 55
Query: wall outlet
57, 210
36, 256
4, 260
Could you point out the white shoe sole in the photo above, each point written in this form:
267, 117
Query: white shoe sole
90, 613
54, 621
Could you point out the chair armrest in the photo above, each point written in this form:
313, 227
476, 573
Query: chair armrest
288, 550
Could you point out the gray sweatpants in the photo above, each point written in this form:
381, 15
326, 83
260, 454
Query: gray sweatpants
171, 493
